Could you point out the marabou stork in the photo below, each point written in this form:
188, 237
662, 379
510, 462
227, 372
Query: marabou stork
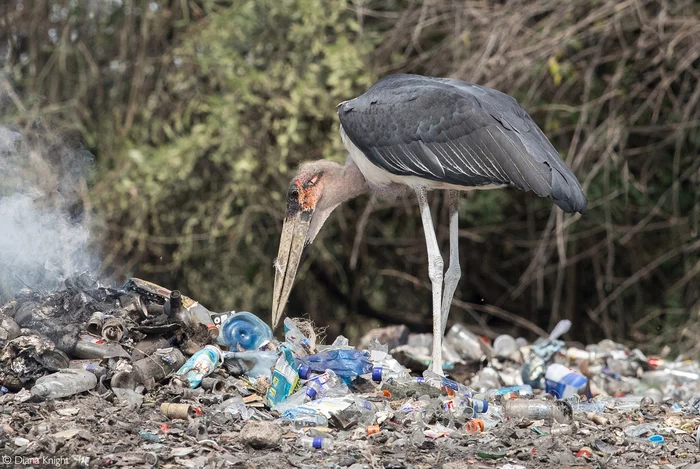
423, 133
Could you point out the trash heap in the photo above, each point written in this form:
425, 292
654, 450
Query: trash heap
142, 375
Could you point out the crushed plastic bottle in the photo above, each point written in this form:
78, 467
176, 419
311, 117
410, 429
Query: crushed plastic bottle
253, 364
242, 331
235, 407
64, 383
346, 363
532, 409
201, 364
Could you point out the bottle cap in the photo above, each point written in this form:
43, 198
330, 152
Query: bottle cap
304, 371
377, 374
311, 392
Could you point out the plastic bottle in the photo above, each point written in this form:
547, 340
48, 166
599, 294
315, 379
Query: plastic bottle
253, 364
326, 385
388, 368
452, 387
87, 365
236, 408
297, 342
64, 383
563, 382
201, 364
242, 331
477, 405
302, 421
316, 442
559, 411
520, 390
465, 343
346, 363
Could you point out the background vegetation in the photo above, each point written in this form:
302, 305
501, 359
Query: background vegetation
198, 112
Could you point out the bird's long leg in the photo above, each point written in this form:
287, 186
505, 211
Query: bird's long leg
454, 272
435, 272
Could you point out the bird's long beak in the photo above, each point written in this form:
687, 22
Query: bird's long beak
294, 231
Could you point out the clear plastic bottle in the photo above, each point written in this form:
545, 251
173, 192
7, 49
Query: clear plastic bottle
316, 442
387, 369
297, 342
478, 406
532, 409
302, 421
326, 385
64, 383
465, 343
520, 390
452, 387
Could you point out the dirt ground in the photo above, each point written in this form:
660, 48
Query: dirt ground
90, 431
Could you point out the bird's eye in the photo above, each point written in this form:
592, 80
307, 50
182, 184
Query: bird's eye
294, 193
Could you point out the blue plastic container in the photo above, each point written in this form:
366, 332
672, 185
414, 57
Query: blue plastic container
242, 331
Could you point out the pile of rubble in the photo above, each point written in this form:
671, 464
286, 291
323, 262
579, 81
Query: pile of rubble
143, 376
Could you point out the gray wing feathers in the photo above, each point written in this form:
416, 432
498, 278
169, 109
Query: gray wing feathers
459, 133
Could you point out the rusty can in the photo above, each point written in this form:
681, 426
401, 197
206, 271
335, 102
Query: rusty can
177, 411
113, 329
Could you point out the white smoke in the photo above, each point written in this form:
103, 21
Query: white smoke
44, 232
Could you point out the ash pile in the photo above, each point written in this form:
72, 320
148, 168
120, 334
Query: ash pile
142, 376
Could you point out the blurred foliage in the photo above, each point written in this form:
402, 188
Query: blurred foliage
199, 111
